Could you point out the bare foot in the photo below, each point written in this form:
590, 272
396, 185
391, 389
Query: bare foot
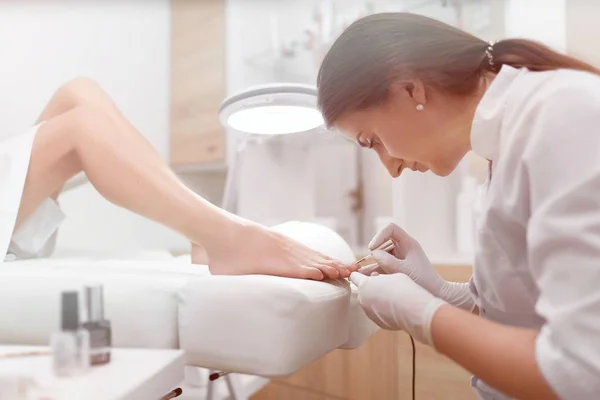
255, 249
199, 255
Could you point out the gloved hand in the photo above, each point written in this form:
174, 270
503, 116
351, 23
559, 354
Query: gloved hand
409, 258
396, 302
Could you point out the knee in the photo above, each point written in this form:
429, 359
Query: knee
78, 91
81, 83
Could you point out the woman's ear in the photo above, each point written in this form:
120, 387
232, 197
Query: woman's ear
413, 89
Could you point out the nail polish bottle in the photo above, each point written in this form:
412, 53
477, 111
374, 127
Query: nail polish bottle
70, 346
99, 329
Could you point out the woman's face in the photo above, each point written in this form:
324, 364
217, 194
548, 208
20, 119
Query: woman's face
435, 138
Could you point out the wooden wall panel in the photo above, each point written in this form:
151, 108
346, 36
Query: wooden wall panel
281, 391
437, 377
369, 372
198, 82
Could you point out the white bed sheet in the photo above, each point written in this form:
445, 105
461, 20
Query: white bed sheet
260, 325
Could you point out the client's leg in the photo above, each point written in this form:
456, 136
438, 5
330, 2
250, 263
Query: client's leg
84, 91
120, 166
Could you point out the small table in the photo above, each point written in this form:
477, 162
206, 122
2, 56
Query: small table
144, 374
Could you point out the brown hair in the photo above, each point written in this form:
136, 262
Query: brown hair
379, 49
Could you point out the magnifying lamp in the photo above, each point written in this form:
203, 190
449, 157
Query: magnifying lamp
266, 111
273, 109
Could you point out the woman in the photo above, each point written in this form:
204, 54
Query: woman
422, 94
81, 129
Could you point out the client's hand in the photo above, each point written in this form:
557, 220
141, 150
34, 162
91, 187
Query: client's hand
255, 249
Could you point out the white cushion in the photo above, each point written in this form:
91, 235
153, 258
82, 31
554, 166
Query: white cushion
261, 325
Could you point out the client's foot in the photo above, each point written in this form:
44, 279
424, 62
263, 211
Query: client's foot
199, 255
255, 249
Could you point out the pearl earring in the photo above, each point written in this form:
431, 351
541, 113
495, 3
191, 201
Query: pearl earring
420, 107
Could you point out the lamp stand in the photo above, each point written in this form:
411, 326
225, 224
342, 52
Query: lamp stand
271, 178
232, 182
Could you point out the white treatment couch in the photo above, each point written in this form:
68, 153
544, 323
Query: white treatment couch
258, 325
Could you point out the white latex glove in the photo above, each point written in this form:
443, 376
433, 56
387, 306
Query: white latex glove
396, 302
409, 258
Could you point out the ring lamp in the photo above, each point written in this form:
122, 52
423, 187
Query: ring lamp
273, 109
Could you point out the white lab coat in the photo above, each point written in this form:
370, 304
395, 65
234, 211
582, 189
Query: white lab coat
537, 262
15, 153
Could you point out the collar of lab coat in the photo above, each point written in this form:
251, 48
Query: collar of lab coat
485, 129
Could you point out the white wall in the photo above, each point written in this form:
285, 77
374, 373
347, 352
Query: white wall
583, 29
122, 44
541, 20
125, 46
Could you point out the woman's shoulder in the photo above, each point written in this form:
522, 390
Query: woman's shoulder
564, 86
554, 94
550, 107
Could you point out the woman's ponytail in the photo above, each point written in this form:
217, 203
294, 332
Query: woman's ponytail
524, 53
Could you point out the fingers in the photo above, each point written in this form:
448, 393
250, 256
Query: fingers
369, 269
358, 279
387, 262
353, 267
381, 236
392, 231
372, 315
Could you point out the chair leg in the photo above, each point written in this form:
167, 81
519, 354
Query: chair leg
234, 386
194, 376
236, 389
210, 388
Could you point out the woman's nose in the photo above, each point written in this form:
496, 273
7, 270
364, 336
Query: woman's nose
394, 170
393, 165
